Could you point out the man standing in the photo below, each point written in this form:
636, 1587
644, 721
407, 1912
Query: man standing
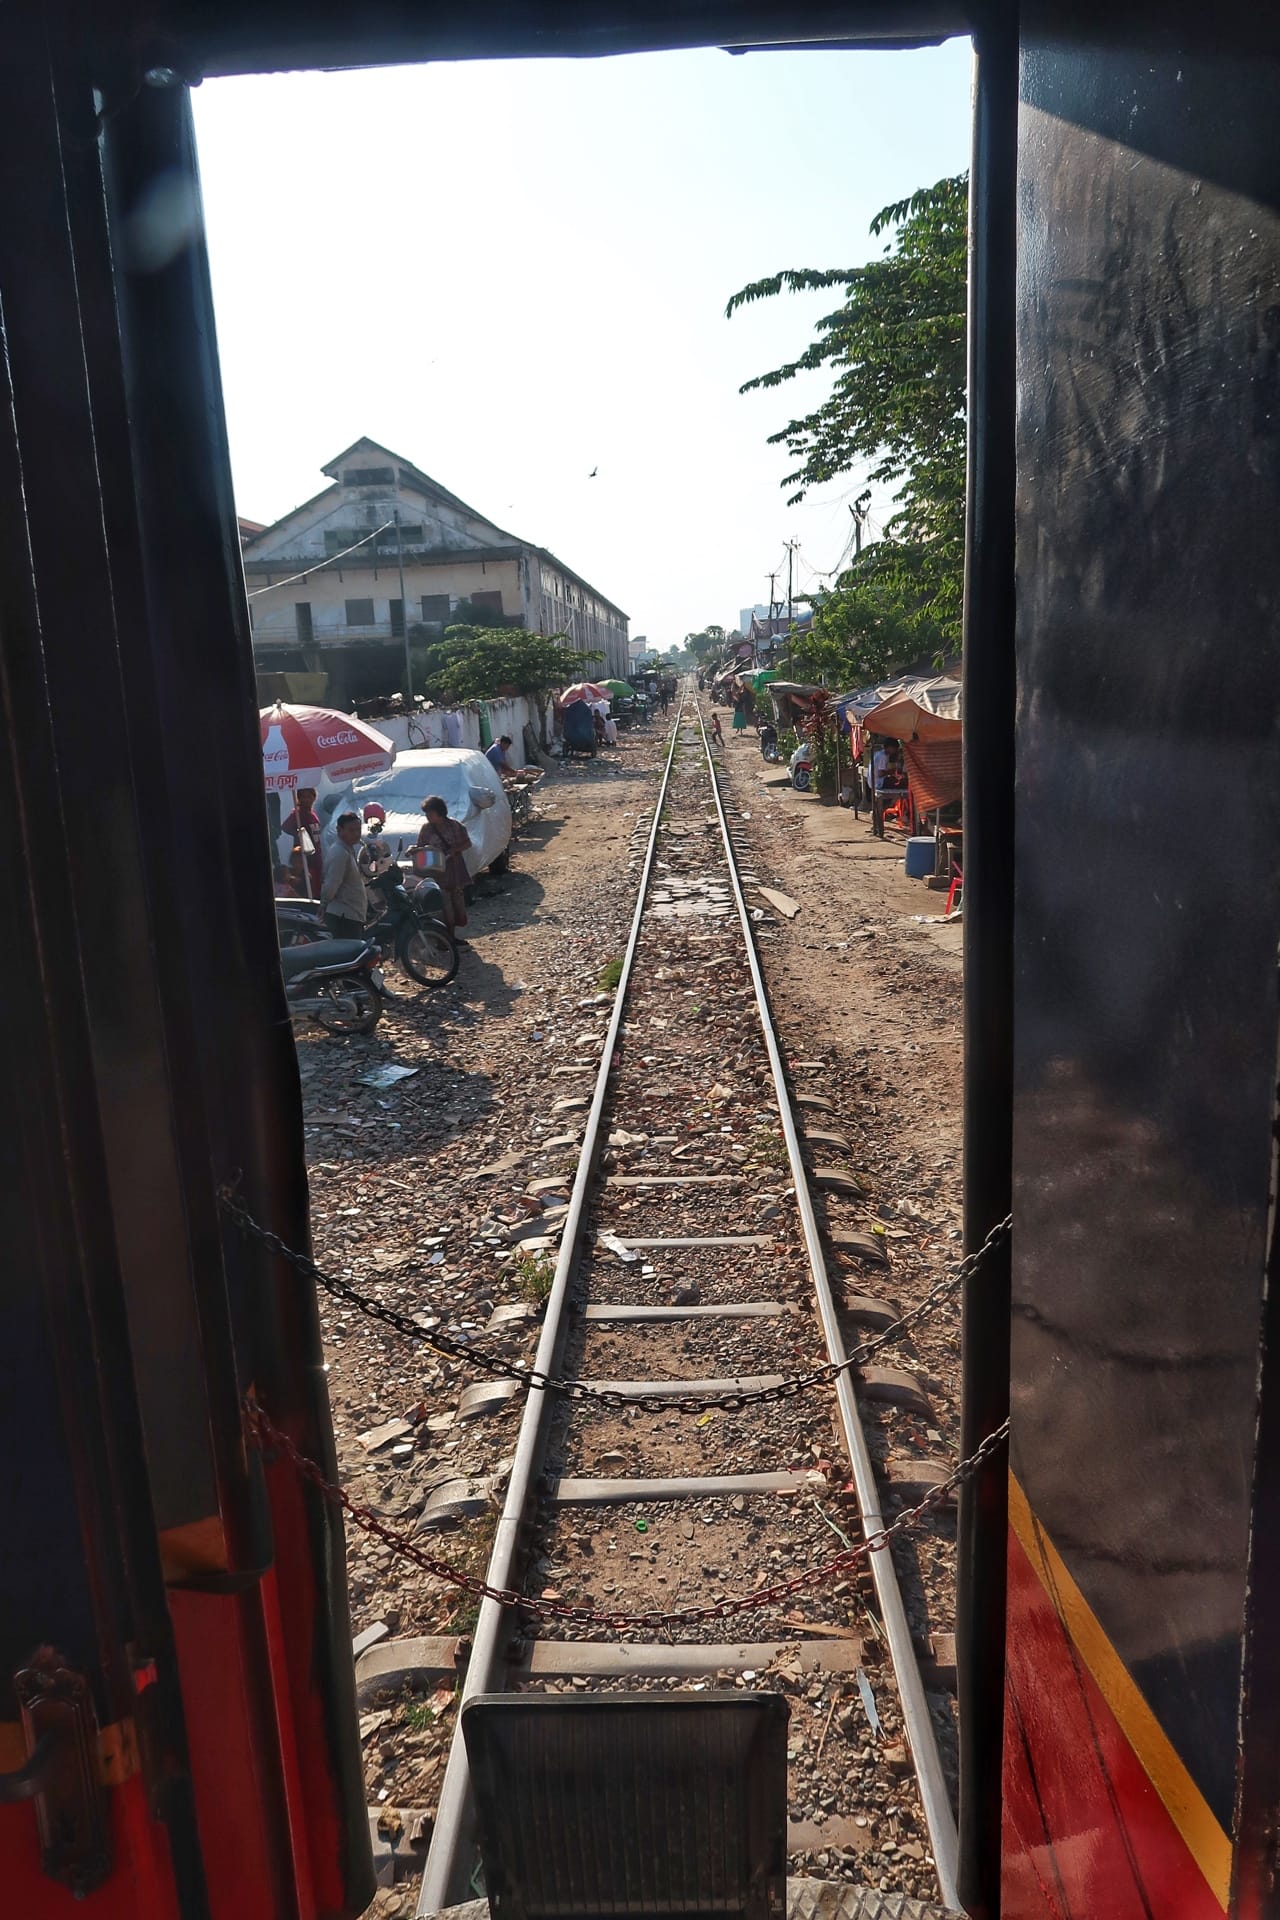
346, 904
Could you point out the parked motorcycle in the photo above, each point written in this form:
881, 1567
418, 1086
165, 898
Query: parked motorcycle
769, 742
411, 925
800, 767
414, 927
336, 983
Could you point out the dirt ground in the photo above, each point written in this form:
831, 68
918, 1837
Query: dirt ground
419, 1190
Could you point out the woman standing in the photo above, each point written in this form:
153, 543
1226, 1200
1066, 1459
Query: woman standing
739, 713
450, 839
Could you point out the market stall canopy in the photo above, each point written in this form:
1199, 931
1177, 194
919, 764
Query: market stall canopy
857, 705
801, 690
584, 690
921, 710
619, 689
305, 746
793, 700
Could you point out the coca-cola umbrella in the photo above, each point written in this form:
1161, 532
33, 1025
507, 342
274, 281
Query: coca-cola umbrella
304, 746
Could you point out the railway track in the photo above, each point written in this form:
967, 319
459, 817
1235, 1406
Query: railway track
696, 1169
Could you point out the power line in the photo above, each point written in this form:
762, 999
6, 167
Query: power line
819, 573
328, 561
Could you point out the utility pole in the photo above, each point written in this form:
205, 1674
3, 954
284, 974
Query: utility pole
860, 509
404, 614
755, 657
791, 555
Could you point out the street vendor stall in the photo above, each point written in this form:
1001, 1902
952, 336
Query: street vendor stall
925, 716
793, 700
311, 747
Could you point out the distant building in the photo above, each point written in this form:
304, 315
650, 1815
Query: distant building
343, 614
748, 614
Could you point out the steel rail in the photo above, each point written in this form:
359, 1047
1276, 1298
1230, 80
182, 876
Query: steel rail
445, 1879
934, 1798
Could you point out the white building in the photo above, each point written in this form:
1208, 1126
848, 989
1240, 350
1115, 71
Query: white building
324, 581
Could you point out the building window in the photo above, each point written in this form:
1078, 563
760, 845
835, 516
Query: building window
389, 542
359, 613
491, 602
302, 617
368, 477
397, 619
435, 609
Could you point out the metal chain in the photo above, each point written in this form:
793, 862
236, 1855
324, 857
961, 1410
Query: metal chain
572, 1389
266, 1434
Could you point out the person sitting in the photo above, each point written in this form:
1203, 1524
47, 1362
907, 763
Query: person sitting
375, 856
498, 757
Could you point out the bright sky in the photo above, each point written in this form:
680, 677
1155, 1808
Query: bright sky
515, 272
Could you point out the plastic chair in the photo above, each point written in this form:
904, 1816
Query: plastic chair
956, 890
898, 810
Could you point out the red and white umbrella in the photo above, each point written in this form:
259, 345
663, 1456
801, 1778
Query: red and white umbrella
301, 746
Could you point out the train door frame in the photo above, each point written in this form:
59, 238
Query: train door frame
136, 440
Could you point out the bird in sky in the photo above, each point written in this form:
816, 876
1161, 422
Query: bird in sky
594, 471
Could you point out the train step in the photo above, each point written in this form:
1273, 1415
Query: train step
806, 1900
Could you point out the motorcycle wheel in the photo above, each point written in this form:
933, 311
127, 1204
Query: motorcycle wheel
427, 952
347, 1007
800, 779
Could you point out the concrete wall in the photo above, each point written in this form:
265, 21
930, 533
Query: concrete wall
275, 617
533, 586
505, 716
565, 606
355, 511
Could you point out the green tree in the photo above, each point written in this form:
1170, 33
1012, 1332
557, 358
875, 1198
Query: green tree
708, 643
490, 663
896, 345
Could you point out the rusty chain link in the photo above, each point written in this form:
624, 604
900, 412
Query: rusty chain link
266, 1434
572, 1389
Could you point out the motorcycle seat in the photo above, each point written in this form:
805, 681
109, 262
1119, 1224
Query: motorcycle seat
326, 955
